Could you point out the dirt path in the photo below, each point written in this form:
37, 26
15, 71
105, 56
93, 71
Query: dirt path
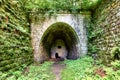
56, 68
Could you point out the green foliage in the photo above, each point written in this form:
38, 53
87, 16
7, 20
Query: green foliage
39, 9
115, 53
113, 72
60, 4
93, 33
75, 69
83, 69
116, 64
15, 45
34, 72
92, 48
80, 69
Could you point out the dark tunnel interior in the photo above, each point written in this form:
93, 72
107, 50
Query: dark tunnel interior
63, 32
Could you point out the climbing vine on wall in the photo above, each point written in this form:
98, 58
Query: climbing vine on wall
93, 33
15, 46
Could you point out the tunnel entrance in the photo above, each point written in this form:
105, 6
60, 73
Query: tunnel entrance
60, 40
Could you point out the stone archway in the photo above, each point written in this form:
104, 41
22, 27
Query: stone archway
68, 28
62, 39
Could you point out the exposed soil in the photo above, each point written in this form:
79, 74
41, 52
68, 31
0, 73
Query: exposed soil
100, 72
57, 68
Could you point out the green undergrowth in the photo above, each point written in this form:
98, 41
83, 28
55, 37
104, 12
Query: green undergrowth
32, 72
84, 69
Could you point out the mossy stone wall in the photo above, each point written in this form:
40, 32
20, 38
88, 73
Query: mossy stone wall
15, 45
107, 17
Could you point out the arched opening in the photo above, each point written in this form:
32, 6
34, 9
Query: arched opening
60, 38
57, 55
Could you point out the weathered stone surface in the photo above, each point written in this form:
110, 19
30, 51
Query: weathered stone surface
111, 30
76, 24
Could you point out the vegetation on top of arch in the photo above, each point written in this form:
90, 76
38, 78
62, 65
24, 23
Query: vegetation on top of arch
56, 5
61, 4
39, 9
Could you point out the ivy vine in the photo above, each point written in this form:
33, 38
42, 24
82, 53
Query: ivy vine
93, 34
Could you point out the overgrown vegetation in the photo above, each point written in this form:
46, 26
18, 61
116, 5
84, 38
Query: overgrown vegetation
93, 33
39, 9
80, 69
83, 69
16, 50
57, 5
108, 42
15, 19
32, 72
15, 46
115, 53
